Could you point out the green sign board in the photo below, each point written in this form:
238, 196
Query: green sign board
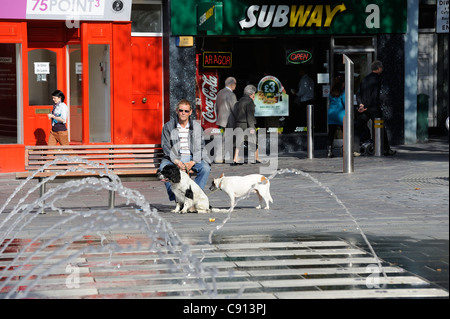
209, 16
288, 17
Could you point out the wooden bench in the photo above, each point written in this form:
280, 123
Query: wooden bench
135, 161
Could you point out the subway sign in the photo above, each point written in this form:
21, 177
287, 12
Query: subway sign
217, 60
289, 17
294, 16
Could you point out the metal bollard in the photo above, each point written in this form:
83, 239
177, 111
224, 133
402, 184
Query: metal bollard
111, 199
348, 165
310, 130
379, 136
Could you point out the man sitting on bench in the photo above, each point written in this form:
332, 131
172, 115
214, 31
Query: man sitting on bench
183, 144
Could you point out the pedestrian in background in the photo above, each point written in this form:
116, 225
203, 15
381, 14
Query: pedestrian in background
336, 112
244, 112
58, 117
225, 101
369, 105
304, 96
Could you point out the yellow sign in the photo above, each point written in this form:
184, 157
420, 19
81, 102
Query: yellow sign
185, 41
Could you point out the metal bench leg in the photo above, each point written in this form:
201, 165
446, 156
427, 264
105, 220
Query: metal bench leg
112, 197
42, 190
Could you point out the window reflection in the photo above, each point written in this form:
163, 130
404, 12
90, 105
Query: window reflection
9, 106
75, 76
42, 76
146, 18
99, 94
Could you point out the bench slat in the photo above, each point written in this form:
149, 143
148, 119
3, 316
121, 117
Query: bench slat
111, 166
39, 160
150, 172
93, 151
106, 146
107, 161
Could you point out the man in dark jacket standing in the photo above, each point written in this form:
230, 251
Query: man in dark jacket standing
368, 98
225, 101
244, 112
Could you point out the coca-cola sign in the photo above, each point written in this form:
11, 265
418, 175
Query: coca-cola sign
206, 96
209, 96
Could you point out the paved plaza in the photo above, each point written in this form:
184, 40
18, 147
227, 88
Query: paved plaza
317, 240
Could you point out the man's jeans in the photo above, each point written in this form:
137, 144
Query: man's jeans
202, 169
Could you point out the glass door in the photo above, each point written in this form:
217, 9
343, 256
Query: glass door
46, 73
99, 93
362, 62
75, 93
147, 72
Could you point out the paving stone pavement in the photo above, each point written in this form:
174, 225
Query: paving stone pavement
399, 203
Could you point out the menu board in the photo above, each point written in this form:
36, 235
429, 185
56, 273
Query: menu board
271, 99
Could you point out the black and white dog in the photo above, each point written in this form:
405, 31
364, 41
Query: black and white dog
188, 195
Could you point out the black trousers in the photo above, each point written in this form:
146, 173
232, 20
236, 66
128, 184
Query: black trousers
332, 128
362, 130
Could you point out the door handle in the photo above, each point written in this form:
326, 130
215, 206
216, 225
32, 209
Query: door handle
144, 100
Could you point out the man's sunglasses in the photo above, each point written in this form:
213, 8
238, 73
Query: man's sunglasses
185, 111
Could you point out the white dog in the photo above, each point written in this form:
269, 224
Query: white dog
238, 186
189, 196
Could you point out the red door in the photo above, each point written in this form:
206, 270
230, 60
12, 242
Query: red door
146, 105
46, 73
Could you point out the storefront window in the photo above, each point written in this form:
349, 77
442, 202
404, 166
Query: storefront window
146, 18
361, 50
75, 76
10, 127
427, 16
276, 76
42, 79
99, 94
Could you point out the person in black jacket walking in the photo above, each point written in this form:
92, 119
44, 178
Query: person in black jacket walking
244, 115
368, 98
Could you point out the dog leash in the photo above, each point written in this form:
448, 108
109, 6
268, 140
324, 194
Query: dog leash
211, 192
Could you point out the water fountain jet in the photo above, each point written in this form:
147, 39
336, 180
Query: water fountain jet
75, 225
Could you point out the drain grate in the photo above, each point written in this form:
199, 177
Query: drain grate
426, 180
297, 269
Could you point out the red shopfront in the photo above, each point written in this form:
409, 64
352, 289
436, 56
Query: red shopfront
112, 82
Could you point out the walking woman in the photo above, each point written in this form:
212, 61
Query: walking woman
336, 112
58, 116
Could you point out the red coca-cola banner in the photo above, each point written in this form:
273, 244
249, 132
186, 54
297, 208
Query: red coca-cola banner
207, 87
